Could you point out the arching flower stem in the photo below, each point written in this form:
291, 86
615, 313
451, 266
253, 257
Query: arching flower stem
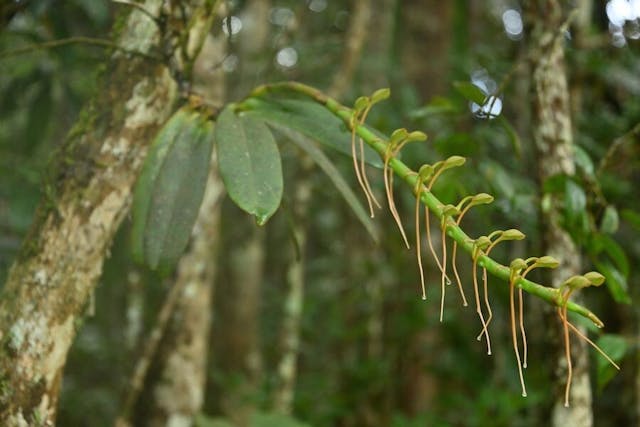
549, 294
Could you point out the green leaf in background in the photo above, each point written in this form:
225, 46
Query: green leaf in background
437, 105
334, 175
249, 163
145, 185
456, 143
610, 220
178, 194
616, 282
631, 217
170, 188
616, 347
555, 184
512, 134
583, 161
39, 115
575, 211
575, 200
265, 419
501, 182
310, 119
605, 245
205, 421
471, 92
258, 419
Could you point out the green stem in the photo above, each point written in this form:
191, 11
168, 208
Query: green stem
549, 294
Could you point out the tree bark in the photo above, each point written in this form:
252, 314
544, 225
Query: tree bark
50, 283
426, 39
176, 392
284, 392
238, 357
355, 40
379, 49
553, 139
294, 298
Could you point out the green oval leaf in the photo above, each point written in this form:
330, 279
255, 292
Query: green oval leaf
575, 201
631, 217
616, 282
249, 163
610, 220
471, 92
170, 188
615, 346
514, 138
156, 155
576, 220
606, 247
177, 195
437, 105
583, 161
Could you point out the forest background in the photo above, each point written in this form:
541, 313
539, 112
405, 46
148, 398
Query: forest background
313, 319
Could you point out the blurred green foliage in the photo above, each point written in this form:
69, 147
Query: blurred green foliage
413, 370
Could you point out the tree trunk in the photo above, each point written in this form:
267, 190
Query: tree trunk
379, 49
554, 144
294, 299
290, 334
426, 44
50, 283
355, 39
238, 359
176, 393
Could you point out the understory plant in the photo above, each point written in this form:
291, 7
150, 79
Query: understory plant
170, 188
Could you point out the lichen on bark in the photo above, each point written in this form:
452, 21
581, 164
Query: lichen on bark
50, 283
553, 138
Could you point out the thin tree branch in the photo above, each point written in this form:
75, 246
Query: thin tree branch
77, 40
140, 8
617, 143
150, 347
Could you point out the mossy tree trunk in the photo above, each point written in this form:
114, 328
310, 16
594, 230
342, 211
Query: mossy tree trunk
553, 139
50, 284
